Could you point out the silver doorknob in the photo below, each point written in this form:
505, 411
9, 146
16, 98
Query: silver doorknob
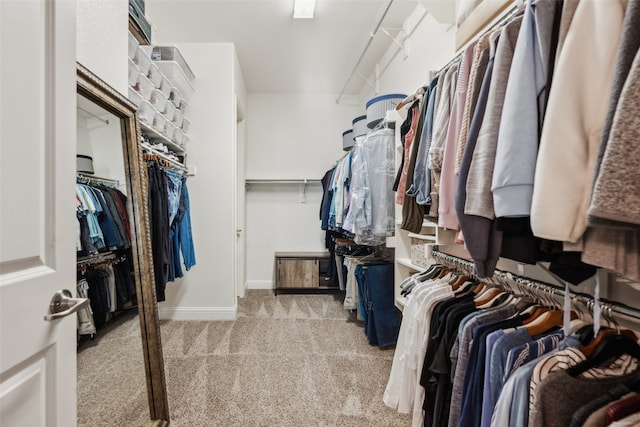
63, 304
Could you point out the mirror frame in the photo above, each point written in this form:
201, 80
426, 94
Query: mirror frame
96, 90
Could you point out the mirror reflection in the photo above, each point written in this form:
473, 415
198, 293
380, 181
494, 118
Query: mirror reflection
111, 377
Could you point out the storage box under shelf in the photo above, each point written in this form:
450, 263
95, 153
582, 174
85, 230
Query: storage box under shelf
421, 252
303, 272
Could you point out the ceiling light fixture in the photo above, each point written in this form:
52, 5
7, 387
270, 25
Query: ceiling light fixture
303, 9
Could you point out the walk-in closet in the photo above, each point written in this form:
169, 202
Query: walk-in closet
319, 213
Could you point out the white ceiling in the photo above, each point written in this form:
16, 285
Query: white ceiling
279, 54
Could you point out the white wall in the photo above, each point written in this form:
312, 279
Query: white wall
288, 137
277, 221
431, 46
295, 135
102, 38
207, 290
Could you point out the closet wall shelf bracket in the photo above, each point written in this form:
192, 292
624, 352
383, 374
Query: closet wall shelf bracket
302, 182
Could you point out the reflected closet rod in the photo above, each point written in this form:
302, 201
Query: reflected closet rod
88, 179
465, 266
372, 35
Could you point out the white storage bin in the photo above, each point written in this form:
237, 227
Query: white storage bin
178, 136
135, 97
133, 45
158, 121
133, 73
360, 126
144, 86
178, 119
347, 140
378, 107
186, 124
184, 106
155, 75
172, 53
169, 111
175, 96
169, 129
421, 252
172, 70
143, 60
158, 99
146, 112
165, 86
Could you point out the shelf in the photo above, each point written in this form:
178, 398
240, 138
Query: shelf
401, 302
146, 129
429, 223
407, 263
427, 237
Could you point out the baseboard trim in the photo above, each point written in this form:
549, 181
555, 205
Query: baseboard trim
198, 313
260, 284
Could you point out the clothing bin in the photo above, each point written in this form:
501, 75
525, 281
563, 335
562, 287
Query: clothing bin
347, 140
377, 107
360, 126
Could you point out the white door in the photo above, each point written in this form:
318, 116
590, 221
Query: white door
37, 225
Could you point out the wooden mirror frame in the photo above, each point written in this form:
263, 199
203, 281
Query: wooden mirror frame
96, 90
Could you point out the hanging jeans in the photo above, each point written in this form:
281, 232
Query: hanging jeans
375, 289
184, 231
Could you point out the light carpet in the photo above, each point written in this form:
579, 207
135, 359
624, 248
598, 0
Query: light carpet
290, 360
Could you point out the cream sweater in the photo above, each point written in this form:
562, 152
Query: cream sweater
574, 119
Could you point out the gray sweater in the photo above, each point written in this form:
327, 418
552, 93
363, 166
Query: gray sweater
479, 197
614, 248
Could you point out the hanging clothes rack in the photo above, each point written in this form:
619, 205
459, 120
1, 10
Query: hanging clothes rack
90, 179
95, 259
173, 164
466, 267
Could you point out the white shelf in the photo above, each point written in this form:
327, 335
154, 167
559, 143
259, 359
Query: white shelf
429, 223
401, 302
407, 263
427, 237
146, 129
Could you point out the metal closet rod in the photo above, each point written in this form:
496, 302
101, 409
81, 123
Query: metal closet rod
89, 178
281, 181
159, 153
465, 266
364, 52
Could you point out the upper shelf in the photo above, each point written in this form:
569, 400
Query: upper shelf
157, 135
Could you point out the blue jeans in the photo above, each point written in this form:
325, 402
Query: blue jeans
184, 231
381, 317
174, 189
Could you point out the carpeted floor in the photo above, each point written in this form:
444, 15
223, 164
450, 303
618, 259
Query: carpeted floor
290, 360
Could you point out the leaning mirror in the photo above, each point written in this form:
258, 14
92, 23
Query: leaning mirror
115, 269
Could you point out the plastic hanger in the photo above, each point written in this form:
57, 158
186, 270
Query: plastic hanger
589, 349
486, 296
610, 348
545, 322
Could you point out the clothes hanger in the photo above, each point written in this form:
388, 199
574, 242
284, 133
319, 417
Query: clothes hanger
611, 346
604, 334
